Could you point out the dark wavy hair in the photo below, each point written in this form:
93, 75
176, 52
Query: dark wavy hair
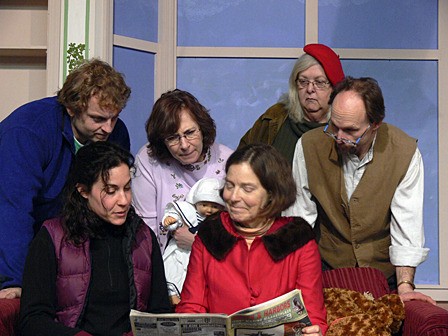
165, 121
94, 78
274, 173
92, 163
369, 91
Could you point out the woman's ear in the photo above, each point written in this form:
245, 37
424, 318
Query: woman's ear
82, 189
268, 200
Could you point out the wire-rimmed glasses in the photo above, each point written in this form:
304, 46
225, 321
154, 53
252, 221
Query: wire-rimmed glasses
344, 140
174, 140
319, 84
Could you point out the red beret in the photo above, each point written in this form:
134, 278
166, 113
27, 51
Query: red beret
329, 61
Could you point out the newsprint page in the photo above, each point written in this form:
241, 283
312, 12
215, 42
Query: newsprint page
285, 315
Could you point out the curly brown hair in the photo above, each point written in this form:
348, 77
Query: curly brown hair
92, 163
165, 121
94, 78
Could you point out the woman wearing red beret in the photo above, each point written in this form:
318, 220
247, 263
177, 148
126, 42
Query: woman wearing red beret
304, 107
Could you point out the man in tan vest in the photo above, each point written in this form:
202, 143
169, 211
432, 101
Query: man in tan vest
360, 185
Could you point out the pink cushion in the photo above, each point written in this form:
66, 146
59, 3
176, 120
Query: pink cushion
360, 279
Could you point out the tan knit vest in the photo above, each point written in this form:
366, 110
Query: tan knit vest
356, 232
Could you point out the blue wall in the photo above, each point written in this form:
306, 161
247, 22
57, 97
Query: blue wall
238, 90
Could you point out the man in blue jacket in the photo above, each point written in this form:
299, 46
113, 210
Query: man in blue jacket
37, 145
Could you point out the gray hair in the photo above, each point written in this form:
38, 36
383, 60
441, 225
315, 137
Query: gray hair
291, 99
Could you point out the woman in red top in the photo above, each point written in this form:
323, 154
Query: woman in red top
250, 254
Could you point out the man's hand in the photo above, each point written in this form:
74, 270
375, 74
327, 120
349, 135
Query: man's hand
184, 238
405, 287
412, 295
11, 293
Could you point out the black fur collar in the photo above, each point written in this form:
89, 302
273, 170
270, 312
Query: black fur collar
290, 237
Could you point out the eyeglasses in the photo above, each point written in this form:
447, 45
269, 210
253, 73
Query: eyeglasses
344, 140
318, 84
174, 139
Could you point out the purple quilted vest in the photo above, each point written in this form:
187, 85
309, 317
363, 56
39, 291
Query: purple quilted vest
74, 271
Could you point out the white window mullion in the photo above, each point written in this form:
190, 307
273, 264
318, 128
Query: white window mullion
165, 63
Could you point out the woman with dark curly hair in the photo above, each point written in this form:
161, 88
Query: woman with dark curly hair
181, 150
89, 267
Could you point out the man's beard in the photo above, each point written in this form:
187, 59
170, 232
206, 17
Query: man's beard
347, 149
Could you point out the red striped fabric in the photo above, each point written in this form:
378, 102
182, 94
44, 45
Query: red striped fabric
361, 279
9, 316
427, 319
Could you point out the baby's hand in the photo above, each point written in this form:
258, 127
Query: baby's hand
169, 224
169, 220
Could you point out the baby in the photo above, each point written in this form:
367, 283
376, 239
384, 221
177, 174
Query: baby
202, 201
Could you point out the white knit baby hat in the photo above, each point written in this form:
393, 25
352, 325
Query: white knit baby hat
206, 190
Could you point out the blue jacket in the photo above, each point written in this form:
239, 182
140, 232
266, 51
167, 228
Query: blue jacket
36, 151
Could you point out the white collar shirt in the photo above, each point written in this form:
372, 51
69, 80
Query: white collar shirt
406, 227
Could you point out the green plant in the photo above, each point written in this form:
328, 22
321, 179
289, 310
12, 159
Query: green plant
75, 55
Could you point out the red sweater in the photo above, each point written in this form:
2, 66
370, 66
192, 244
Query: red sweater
224, 276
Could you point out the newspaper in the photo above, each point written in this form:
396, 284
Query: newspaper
284, 315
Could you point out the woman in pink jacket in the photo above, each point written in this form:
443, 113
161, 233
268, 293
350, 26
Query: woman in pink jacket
250, 254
